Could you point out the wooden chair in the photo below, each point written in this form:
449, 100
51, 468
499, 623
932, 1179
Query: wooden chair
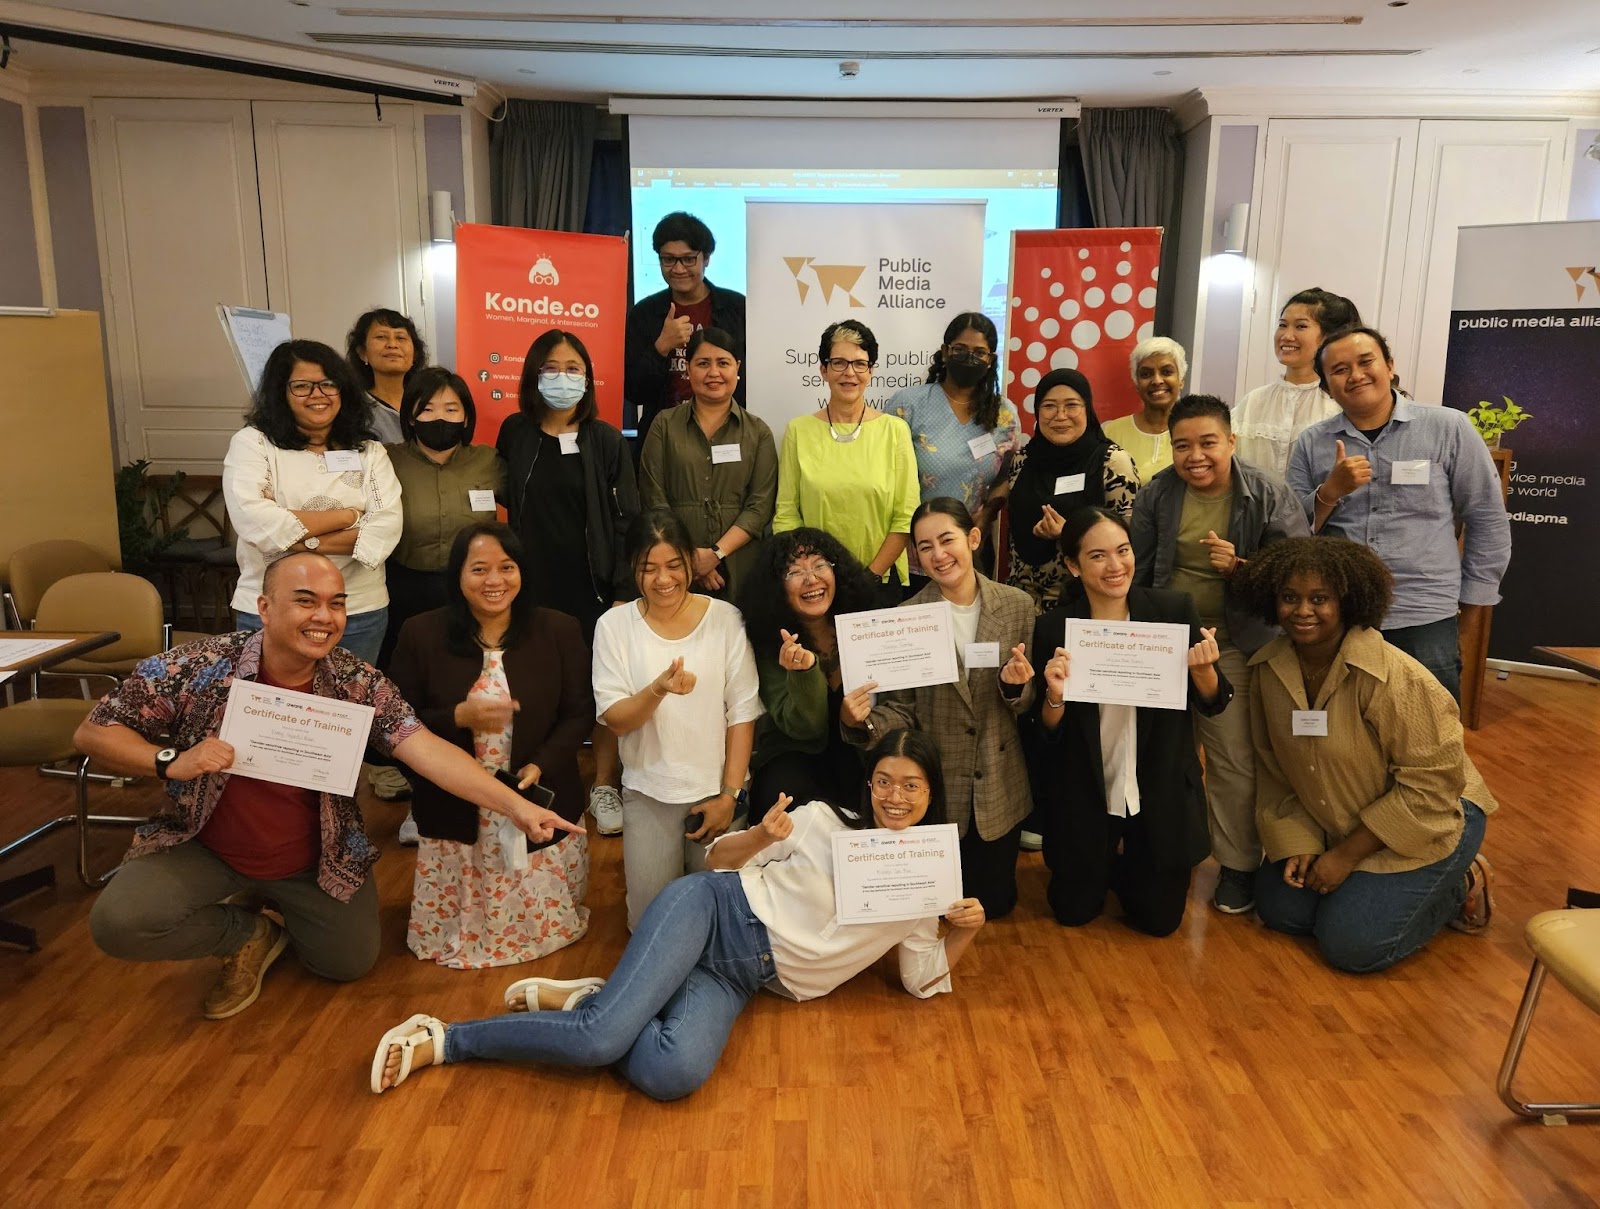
200, 569
33, 568
1566, 944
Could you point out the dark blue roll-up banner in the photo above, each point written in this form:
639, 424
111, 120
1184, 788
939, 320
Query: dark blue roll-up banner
1525, 326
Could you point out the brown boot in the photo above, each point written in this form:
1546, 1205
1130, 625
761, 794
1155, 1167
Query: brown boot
242, 972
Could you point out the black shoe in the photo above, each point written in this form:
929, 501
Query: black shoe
1236, 892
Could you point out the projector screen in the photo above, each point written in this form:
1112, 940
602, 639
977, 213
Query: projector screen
710, 166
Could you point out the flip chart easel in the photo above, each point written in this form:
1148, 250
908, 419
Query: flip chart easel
252, 335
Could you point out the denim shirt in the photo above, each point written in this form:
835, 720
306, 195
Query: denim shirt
1412, 527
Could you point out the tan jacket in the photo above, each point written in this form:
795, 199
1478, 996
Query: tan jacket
1392, 759
974, 725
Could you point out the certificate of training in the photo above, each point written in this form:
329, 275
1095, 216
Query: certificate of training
882, 875
899, 648
1144, 663
295, 738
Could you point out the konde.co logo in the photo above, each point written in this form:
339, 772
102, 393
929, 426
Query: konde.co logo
543, 273
829, 279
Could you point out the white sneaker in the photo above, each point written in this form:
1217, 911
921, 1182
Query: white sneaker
1032, 841
605, 803
409, 835
389, 784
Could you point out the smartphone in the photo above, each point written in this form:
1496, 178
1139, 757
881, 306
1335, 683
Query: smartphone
535, 793
694, 821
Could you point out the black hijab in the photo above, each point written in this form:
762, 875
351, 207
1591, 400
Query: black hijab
1044, 463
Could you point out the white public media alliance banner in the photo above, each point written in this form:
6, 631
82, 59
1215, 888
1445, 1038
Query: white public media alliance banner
905, 269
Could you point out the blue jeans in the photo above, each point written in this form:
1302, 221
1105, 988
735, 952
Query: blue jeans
363, 632
1436, 646
663, 1017
1373, 919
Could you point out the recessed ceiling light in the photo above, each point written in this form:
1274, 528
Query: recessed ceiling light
1161, 73
1469, 71
1398, 3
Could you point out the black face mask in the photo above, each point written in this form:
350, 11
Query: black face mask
439, 435
964, 373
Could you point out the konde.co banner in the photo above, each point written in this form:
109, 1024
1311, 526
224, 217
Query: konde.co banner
905, 269
512, 285
1525, 326
1080, 299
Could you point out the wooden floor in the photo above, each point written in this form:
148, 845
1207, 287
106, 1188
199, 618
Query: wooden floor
1221, 1066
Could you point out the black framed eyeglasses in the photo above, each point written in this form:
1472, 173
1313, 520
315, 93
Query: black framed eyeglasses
680, 262
301, 389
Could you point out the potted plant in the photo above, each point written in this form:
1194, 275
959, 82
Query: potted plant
1493, 421
140, 505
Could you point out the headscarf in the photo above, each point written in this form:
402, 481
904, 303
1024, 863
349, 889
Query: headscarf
1045, 462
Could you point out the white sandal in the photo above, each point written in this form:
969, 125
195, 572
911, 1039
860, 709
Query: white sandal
408, 1037
518, 998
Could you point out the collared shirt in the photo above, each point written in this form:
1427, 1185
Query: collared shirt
437, 500
1392, 759
1412, 526
679, 469
1268, 419
183, 693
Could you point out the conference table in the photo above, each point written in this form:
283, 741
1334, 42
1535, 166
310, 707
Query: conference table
22, 653
1585, 659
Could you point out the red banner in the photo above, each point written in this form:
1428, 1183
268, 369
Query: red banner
514, 284
1080, 299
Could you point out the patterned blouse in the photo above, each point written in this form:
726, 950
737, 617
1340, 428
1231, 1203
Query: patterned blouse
183, 693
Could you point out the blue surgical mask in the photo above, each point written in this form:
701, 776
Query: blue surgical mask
562, 392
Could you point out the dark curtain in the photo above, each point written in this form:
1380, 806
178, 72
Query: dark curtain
540, 154
1072, 196
609, 211
1133, 166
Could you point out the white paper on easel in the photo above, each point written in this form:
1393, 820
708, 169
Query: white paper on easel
252, 335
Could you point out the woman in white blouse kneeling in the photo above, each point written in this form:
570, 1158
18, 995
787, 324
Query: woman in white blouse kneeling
709, 941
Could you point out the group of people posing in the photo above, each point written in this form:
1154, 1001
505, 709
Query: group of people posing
679, 614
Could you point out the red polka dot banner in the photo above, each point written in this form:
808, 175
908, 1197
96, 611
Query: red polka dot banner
1080, 299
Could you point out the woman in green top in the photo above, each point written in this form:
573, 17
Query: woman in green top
713, 464
849, 469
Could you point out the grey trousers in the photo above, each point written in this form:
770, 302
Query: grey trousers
655, 850
168, 906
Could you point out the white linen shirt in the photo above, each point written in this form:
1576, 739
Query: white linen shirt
1268, 419
790, 888
677, 756
262, 485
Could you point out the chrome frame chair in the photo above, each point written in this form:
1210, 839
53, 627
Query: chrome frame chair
1552, 1112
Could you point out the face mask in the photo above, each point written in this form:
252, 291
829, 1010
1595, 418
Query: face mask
966, 374
562, 391
439, 435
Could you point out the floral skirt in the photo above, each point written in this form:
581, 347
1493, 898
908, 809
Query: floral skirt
469, 912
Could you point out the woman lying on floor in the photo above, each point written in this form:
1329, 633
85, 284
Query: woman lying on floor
708, 942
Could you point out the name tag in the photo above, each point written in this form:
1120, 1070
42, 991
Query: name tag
569, 442
1069, 483
481, 501
983, 654
337, 461
1312, 722
982, 447
1409, 474
721, 454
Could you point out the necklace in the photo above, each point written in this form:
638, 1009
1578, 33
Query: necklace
844, 438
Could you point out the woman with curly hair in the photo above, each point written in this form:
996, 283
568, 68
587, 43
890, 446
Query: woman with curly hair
804, 579
1370, 811
304, 473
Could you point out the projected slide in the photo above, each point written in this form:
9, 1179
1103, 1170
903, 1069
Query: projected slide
1017, 199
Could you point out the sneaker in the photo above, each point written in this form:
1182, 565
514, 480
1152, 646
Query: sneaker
1478, 907
240, 981
389, 784
1032, 841
605, 804
1236, 891
409, 835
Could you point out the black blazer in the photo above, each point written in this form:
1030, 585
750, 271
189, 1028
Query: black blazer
549, 674
1069, 783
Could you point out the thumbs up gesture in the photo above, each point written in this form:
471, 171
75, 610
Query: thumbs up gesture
675, 331
1348, 474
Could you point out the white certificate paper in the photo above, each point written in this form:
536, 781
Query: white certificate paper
882, 875
1143, 663
899, 648
295, 738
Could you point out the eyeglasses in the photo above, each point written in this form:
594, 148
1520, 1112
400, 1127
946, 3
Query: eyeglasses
964, 352
801, 574
887, 787
838, 365
1074, 407
680, 262
304, 390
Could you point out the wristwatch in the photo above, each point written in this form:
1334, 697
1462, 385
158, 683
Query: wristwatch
717, 550
311, 543
164, 759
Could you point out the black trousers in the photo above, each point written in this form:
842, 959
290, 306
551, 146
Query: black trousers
1152, 899
989, 869
833, 775
410, 592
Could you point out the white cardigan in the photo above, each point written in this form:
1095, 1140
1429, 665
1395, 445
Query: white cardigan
261, 484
